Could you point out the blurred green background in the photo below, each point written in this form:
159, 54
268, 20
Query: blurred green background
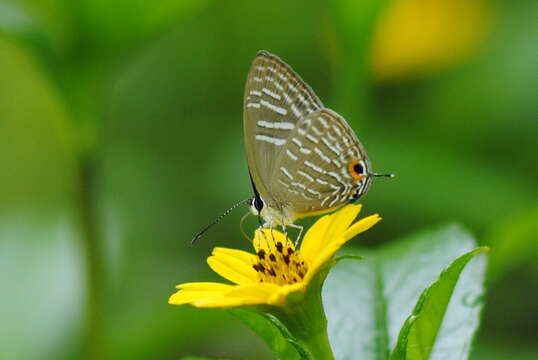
121, 137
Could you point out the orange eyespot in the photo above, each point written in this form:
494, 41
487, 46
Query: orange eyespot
356, 169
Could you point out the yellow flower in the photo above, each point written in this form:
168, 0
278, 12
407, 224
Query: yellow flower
414, 37
277, 270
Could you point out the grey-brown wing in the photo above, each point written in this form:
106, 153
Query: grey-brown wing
322, 166
275, 99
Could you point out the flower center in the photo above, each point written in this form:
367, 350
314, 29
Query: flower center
281, 267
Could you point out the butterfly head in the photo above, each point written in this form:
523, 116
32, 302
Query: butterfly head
272, 216
362, 175
256, 205
359, 170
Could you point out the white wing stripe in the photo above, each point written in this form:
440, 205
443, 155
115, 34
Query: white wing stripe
271, 94
291, 154
296, 111
277, 109
323, 122
286, 172
312, 138
334, 201
314, 192
330, 146
300, 172
302, 186
316, 130
276, 125
271, 140
322, 155
314, 167
337, 130
287, 98
335, 175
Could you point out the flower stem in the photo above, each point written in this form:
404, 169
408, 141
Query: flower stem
307, 323
308, 326
318, 346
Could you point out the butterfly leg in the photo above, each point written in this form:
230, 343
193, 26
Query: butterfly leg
267, 242
285, 230
301, 228
260, 230
272, 234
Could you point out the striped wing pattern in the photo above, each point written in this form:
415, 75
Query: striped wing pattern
313, 173
275, 100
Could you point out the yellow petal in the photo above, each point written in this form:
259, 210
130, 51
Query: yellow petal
232, 269
314, 239
329, 250
226, 302
185, 297
324, 255
326, 229
204, 286
261, 291
266, 237
247, 258
340, 221
279, 297
223, 295
360, 226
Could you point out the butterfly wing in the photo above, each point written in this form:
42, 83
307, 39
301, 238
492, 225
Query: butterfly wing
275, 99
318, 169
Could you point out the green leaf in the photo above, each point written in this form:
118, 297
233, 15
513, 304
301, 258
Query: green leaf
367, 303
418, 336
277, 337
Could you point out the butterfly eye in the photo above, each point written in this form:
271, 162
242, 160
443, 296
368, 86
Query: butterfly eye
258, 203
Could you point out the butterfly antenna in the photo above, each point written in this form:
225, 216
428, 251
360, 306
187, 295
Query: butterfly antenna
382, 175
218, 219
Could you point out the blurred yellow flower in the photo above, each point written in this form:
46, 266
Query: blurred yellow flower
415, 37
277, 270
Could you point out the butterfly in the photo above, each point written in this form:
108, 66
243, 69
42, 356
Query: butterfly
303, 158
